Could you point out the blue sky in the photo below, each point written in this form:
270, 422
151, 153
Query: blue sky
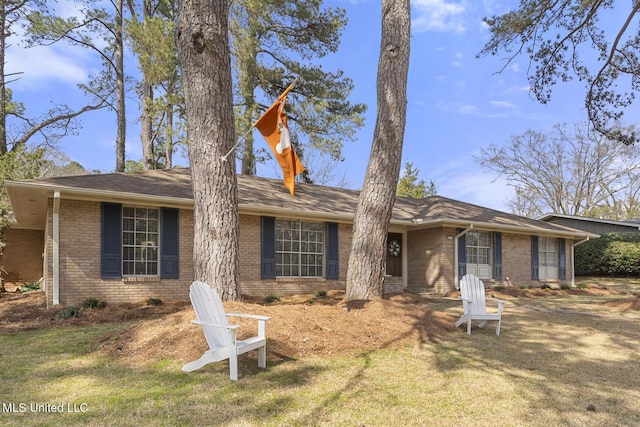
457, 104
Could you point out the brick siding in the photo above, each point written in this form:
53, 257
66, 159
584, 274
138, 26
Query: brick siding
80, 277
430, 261
22, 259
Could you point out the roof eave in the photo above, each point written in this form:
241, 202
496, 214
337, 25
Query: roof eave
75, 193
518, 229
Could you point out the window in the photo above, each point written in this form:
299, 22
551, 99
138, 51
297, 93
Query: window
478, 253
139, 241
547, 258
140, 237
299, 248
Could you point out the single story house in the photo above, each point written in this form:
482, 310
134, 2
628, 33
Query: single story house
592, 225
124, 237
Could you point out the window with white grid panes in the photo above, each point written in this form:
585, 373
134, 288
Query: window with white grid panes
547, 258
299, 248
479, 253
140, 238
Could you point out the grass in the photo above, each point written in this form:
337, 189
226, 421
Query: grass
550, 362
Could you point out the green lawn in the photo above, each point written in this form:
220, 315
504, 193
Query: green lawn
554, 358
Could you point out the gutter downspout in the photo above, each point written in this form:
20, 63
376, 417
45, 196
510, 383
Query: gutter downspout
573, 261
455, 254
56, 247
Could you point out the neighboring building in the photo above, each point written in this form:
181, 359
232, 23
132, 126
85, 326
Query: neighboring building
129, 236
592, 225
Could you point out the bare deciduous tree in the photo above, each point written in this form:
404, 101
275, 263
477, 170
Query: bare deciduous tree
562, 172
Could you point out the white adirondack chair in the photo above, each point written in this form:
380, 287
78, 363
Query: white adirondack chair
474, 304
220, 335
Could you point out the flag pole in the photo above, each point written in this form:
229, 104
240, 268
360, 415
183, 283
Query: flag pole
237, 143
286, 91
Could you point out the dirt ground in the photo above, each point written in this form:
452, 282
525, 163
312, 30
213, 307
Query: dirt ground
300, 326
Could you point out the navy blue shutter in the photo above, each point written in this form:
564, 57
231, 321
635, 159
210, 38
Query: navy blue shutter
462, 253
563, 259
535, 272
169, 258
268, 262
497, 255
333, 272
111, 241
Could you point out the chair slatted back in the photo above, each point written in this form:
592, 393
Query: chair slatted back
472, 288
208, 307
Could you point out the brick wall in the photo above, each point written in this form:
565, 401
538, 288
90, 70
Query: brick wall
80, 261
516, 262
516, 259
250, 264
431, 259
22, 260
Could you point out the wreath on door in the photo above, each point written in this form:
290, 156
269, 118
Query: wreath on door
393, 248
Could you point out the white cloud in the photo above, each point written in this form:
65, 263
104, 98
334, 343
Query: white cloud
503, 104
40, 66
464, 180
467, 109
438, 15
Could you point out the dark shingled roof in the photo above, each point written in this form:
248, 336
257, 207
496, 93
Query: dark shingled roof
269, 196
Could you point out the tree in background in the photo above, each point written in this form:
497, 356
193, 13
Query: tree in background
101, 30
275, 42
365, 272
202, 38
409, 186
552, 34
151, 32
17, 128
571, 173
21, 163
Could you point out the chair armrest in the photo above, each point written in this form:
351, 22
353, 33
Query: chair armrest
250, 316
214, 325
499, 301
465, 299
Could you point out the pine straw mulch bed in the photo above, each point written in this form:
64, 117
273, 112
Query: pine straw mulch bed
300, 326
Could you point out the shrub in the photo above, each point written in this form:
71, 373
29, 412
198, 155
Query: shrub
93, 303
613, 254
154, 301
68, 313
33, 286
321, 293
273, 298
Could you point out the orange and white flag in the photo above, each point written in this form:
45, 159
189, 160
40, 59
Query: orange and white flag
273, 126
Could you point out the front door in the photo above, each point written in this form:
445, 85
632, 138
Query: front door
394, 254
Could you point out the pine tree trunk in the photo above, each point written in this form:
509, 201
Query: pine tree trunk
365, 275
168, 146
146, 127
203, 51
120, 89
3, 100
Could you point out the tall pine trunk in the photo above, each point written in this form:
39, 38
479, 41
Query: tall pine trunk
121, 120
3, 100
365, 275
203, 51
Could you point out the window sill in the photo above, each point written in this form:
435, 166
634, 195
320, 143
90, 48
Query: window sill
139, 279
